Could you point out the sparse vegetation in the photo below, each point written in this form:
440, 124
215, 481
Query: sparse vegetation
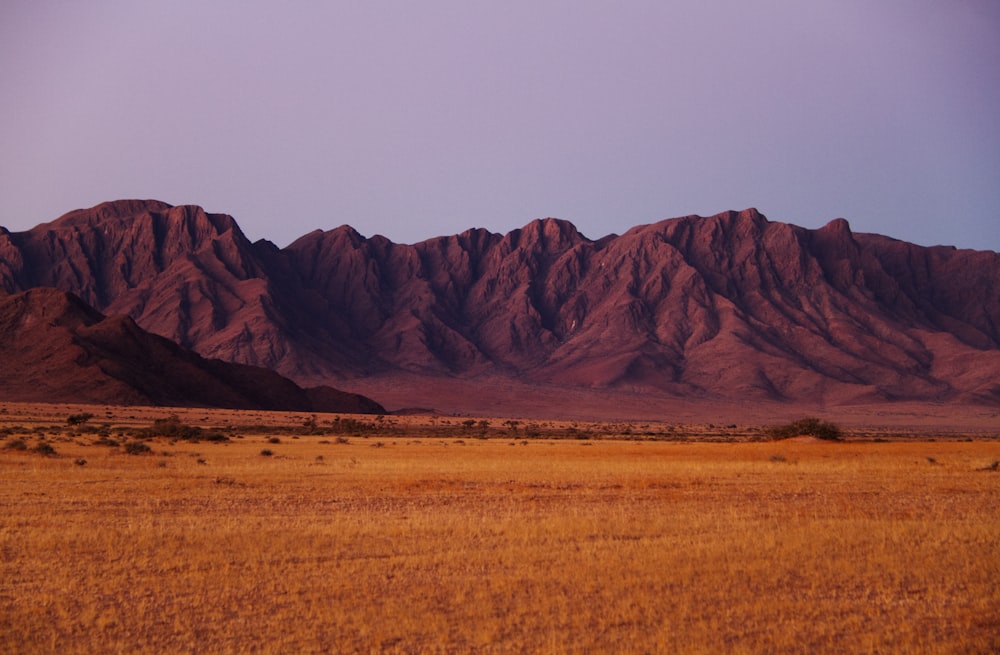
808, 427
137, 448
43, 448
172, 427
79, 419
433, 543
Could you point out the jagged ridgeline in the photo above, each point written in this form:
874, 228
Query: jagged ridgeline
732, 305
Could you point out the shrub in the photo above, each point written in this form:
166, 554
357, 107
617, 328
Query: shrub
267, 452
173, 428
811, 427
352, 426
16, 444
311, 425
79, 419
43, 448
137, 448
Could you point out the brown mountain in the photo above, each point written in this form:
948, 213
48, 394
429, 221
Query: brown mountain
55, 347
732, 306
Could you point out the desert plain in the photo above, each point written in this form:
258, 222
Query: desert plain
226, 531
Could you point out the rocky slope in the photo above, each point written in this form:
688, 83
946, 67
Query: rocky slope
56, 348
728, 306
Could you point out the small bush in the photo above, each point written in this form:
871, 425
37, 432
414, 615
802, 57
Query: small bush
43, 448
173, 428
16, 444
79, 419
810, 427
137, 448
274, 440
267, 452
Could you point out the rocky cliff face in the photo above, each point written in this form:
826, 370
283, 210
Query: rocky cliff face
56, 348
729, 306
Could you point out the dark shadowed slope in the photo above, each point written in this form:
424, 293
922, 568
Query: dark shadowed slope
56, 348
729, 306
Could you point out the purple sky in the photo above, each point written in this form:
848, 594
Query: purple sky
417, 119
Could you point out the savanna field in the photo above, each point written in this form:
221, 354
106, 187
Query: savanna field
225, 532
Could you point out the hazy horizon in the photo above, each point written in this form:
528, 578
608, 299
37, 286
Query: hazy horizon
414, 120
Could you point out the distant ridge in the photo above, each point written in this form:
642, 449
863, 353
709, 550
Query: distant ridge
731, 306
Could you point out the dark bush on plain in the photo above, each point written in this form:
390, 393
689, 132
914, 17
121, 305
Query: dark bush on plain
173, 428
810, 427
137, 448
44, 449
79, 419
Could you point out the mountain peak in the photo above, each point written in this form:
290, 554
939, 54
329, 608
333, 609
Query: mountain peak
838, 226
546, 234
111, 210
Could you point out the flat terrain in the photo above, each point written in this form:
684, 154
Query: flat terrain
305, 533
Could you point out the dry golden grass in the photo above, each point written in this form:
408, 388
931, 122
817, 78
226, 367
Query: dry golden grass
496, 546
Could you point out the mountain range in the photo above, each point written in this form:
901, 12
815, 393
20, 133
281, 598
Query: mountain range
727, 307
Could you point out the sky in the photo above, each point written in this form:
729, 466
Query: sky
419, 119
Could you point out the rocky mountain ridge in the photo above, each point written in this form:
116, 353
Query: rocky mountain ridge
727, 306
56, 348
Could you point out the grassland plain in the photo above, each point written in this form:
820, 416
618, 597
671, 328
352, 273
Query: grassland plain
518, 543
